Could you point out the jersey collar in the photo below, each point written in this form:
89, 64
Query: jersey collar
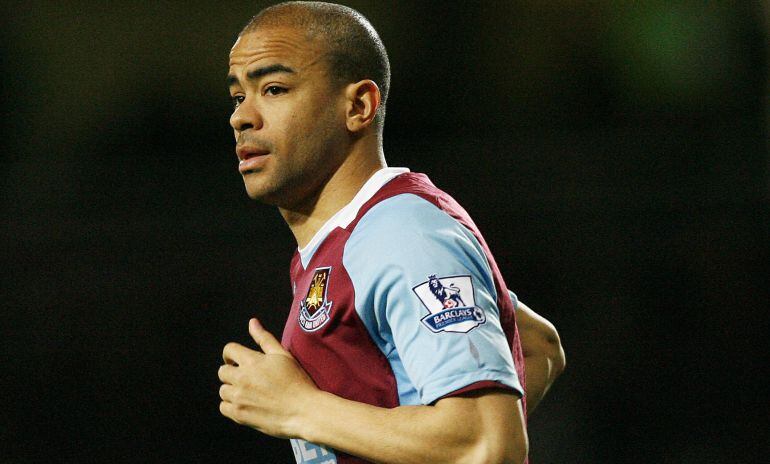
345, 216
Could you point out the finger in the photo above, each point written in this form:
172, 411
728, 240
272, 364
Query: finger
228, 374
227, 392
235, 353
228, 410
265, 340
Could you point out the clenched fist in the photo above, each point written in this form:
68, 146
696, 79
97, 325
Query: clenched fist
265, 390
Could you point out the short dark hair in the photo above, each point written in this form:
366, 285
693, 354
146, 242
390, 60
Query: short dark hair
355, 50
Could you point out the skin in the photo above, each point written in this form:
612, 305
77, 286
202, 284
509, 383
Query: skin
270, 392
322, 144
544, 358
322, 147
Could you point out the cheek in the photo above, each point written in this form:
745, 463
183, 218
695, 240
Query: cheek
303, 126
306, 128
294, 129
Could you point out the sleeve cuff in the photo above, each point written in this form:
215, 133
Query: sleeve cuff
465, 383
480, 385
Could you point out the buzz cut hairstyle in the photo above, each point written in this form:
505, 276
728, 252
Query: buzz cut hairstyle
354, 49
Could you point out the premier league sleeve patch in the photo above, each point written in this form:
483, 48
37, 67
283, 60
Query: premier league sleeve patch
450, 303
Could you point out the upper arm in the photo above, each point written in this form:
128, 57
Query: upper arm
496, 419
443, 346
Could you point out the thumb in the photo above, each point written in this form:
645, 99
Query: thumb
265, 340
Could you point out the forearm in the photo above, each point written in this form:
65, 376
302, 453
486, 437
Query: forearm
405, 434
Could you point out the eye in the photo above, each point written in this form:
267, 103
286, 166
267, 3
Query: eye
275, 90
237, 100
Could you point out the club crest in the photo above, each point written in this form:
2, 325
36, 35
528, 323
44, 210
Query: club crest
314, 309
450, 303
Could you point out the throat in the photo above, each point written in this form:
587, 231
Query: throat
308, 218
303, 226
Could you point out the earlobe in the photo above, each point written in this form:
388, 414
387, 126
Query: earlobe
363, 101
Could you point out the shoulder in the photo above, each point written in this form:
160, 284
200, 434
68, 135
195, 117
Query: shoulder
408, 237
406, 221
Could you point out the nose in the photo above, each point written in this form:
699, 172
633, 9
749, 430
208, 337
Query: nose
246, 116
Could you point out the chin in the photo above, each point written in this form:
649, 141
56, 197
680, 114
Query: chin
259, 195
258, 190
255, 188
276, 190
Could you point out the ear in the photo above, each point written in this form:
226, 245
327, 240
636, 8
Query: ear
363, 100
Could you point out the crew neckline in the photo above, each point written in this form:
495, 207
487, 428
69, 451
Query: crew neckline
347, 213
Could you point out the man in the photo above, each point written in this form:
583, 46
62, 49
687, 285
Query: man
401, 342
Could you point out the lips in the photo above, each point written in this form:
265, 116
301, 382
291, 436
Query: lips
246, 152
251, 158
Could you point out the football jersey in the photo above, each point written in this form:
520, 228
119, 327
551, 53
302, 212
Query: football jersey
398, 301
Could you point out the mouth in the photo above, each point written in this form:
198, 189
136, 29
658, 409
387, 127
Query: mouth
251, 159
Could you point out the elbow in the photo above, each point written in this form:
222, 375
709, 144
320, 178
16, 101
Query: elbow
541, 340
554, 351
558, 359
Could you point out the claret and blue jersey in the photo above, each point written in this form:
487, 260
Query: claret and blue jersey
398, 301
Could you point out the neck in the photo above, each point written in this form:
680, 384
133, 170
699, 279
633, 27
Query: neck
334, 194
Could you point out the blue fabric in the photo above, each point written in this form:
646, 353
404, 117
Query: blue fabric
310, 453
514, 299
390, 256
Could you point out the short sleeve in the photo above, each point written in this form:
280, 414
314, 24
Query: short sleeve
424, 289
514, 299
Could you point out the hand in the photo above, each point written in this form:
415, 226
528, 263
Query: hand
264, 390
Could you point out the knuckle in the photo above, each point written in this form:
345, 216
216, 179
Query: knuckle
231, 411
229, 347
238, 413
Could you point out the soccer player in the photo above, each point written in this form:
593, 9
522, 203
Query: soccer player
401, 343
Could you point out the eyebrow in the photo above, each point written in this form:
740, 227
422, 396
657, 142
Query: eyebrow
255, 74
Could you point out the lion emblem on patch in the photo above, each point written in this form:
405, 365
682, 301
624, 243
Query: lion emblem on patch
448, 296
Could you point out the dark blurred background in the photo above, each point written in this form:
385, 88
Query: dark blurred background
614, 154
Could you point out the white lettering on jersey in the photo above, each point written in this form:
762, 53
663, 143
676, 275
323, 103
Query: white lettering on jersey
451, 304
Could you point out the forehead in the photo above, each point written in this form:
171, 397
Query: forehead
277, 44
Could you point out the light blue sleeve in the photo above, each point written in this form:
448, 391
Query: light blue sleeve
424, 290
514, 299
